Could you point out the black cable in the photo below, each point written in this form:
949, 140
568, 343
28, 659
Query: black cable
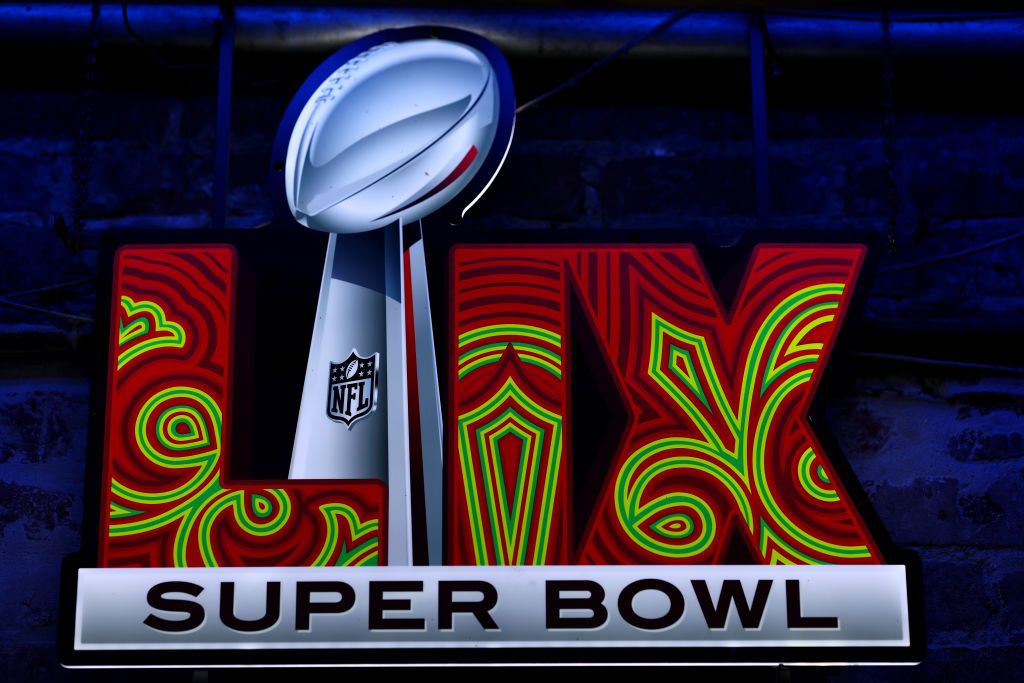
167, 66
938, 362
47, 288
45, 311
669, 21
154, 53
952, 255
664, 24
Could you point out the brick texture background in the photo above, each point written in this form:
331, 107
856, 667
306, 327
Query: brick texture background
938, 448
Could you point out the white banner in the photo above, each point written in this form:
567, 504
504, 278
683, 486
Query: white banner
494, 607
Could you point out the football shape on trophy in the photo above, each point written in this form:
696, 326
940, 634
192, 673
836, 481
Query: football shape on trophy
395, 132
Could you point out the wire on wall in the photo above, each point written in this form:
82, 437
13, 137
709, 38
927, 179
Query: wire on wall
153, 52
662, 25
941, 258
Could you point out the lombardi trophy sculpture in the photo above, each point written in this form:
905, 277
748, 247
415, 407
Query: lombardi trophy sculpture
396, 127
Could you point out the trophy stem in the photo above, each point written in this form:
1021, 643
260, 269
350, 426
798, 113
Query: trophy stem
431, 427
353, 417
399, 531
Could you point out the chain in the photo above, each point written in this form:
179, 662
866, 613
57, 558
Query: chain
82, 152
889, 125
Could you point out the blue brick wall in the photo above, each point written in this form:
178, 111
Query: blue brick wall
939, 450
42, 447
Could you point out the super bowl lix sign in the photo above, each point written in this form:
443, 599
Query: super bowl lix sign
627, 468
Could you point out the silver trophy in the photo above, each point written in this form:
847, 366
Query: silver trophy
398, 130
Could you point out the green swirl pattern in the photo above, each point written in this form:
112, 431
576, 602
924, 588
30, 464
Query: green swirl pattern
731, 446
145, 329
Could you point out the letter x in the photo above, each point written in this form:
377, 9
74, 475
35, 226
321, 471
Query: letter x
716, 453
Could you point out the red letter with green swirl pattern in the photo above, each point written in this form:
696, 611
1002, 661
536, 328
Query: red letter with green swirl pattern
508, 502
167, 500
716, 447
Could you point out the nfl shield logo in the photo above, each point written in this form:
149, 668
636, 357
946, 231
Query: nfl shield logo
352, 390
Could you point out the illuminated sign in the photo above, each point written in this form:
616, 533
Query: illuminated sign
579, 454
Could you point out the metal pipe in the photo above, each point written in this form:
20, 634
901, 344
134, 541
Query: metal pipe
225, 33
529, 32
759, 112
